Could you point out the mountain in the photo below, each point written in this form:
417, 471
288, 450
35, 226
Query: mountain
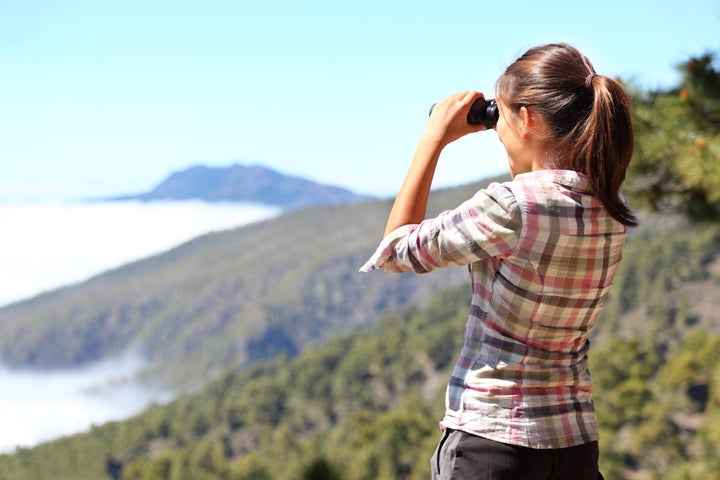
227, 299
240, 183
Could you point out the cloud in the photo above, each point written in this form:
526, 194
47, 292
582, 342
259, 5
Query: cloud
48, 245
39, 406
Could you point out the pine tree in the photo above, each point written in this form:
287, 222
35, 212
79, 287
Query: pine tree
676, 167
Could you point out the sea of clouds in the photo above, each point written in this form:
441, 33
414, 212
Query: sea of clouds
36, 406
48, 245
44, 246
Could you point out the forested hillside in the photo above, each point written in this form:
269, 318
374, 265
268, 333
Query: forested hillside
364, 404
225, 299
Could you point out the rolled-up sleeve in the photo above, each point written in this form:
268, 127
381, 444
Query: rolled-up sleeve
487, 225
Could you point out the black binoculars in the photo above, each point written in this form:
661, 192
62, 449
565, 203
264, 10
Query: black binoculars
482, 112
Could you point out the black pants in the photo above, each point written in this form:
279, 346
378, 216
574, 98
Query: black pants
461, 456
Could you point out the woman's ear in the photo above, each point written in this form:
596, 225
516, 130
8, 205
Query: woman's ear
526, 121
531, 124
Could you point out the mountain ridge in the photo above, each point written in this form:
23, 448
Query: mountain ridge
244, 183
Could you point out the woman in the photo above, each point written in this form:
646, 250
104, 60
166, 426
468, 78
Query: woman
541, 249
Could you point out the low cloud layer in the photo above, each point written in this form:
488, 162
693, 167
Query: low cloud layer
49, 245
39, 406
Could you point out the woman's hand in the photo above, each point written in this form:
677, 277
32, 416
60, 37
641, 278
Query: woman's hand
448, 120
447, 123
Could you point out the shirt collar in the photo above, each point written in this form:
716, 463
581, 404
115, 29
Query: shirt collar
571, 179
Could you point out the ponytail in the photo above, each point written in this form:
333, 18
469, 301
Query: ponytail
588, 116
605, 145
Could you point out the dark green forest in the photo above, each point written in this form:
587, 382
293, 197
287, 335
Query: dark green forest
364, 401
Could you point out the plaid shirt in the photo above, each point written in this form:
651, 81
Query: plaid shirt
542, 253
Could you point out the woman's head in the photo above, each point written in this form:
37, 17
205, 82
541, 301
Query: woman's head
586, 116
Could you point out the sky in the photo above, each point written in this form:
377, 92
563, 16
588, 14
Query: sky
109, 97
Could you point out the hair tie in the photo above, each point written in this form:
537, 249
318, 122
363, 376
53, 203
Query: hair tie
589, 79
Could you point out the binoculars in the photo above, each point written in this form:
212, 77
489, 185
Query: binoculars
482, 112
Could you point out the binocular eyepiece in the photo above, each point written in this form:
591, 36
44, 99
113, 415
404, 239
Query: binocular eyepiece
482, 112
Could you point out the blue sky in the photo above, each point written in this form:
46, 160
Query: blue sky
111, 96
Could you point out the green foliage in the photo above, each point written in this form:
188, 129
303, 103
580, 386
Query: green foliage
676, 167
655, 416
320, 469
622, 374
660, 286
250, 467
693, 362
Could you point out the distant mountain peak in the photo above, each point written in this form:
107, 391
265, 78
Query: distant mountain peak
245, 183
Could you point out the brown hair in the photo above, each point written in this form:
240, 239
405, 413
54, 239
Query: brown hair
588, 116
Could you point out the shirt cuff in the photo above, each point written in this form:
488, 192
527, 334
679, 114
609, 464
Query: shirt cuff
386, 250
